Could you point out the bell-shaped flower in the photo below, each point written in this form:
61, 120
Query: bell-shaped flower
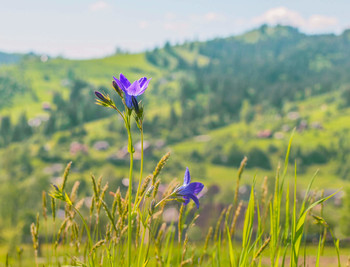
189, 190
132, 90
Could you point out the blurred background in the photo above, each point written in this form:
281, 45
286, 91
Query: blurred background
228, 80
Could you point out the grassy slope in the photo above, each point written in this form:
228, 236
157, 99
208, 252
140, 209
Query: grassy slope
96, 71
46, 78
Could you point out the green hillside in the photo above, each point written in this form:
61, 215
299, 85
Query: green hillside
209, 103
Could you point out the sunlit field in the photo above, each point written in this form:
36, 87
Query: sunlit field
218, 137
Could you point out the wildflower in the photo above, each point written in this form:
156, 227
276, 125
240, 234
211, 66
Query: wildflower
189, 190
133, 90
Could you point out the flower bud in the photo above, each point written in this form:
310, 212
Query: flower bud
117, 89
100, 96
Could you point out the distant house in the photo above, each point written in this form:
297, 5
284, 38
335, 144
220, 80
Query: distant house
302, 126
264, 134
101, 145
286, 128
54, 169
170, 215
202, 138
244, 192
159, 144
123, 153
294, 115
146, 146
317, 125
35, 122
278, 135
46, 106
76, 147
336, 199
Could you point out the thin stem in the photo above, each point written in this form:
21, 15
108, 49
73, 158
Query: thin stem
87, 230
130, 187
141, 171
143, 239
114, 107
164, 199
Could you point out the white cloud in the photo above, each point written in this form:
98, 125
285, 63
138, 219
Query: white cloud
321, 22
285, 16
280, 15
99, 5
212, 16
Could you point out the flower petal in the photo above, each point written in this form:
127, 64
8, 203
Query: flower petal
196, 187
192, 188
120, 84
187, 178
187, 200
142, 81
134, 89
128, 100
195, 199
135, 104
144, 86
124, 81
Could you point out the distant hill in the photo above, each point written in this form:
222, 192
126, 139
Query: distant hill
6, 58
211, 102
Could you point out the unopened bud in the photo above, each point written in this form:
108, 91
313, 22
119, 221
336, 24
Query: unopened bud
100, 96
117, 89
56, 187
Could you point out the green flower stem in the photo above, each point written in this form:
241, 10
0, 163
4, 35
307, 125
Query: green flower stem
164, 199
87, 231
145, 228
142, 240
141, 171
130, 147
114, 107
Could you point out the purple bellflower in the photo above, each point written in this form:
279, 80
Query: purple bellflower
189, 190
132, 90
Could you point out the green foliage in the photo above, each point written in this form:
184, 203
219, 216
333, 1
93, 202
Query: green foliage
9, 88
346, 96
5, 130
6, 58
344, 226
21, 130
258, 158
255, 78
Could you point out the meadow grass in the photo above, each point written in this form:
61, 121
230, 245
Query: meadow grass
122, 232
115, 227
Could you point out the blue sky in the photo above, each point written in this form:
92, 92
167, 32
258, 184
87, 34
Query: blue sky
85, 29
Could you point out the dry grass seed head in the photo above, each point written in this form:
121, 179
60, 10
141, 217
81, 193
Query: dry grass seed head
73, 194
159, 167
65, 175
234, 221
